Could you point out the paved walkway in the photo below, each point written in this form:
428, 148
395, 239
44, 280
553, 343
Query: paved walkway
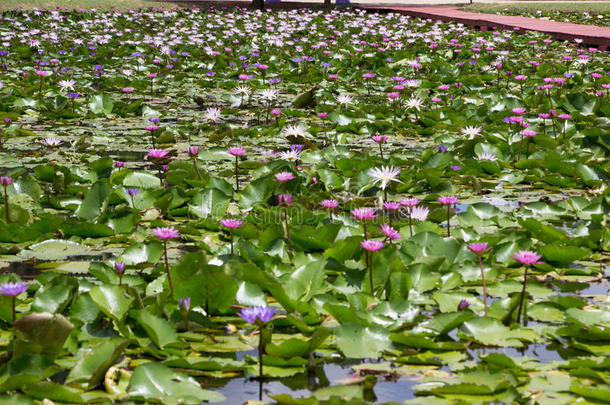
589, 34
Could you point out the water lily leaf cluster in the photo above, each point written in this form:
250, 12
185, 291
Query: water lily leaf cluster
161, 171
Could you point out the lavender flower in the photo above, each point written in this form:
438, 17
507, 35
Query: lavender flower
262, 313
11, 289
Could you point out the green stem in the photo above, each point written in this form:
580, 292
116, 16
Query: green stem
231, 241
522, 297
8, 216
520, 148
287, 226
236, 173
448, 216
197, 169
484, 286
369, 258
260, 353
169, 277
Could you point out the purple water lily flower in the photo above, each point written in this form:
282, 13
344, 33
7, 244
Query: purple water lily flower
11, 289
262, 312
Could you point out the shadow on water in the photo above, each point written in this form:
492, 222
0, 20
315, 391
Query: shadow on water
537, 351
600, 288
591, 288
25, 270
241, 390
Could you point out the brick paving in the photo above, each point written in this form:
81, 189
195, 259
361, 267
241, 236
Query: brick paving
589, 34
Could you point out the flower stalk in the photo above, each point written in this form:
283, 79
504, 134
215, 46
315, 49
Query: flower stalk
527, 258
6, 181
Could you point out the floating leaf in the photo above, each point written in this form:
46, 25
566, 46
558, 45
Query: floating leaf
154, 381
356, 341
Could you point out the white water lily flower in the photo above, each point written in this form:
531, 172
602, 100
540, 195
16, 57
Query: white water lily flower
415, 102
290, 155
471, 131
295, 130
212, 114
268, 94
486, 156
245, 90
66, 85
344, 99
52, 141
384, 174
419, 212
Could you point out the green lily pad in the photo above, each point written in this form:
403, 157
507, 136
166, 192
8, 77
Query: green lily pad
155, 382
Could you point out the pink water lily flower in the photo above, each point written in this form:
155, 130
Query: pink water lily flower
379, 138
409, 202
231, 223
193, 151
478, 247
372, 245
158, 153
329, 203
284, 176
527, 257
444, 199
285, 199
390, 232
364, 213
448, 201
165, 233
236, 151
391, 205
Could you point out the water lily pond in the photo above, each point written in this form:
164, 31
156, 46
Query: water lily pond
300, 207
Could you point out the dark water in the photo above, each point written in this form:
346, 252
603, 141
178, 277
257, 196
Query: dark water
241, 390
542, 353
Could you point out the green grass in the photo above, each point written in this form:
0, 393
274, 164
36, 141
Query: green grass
572, 5
86, 4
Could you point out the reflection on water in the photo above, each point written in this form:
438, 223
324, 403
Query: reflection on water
540, 352
241, 390
398, 391
600, 288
